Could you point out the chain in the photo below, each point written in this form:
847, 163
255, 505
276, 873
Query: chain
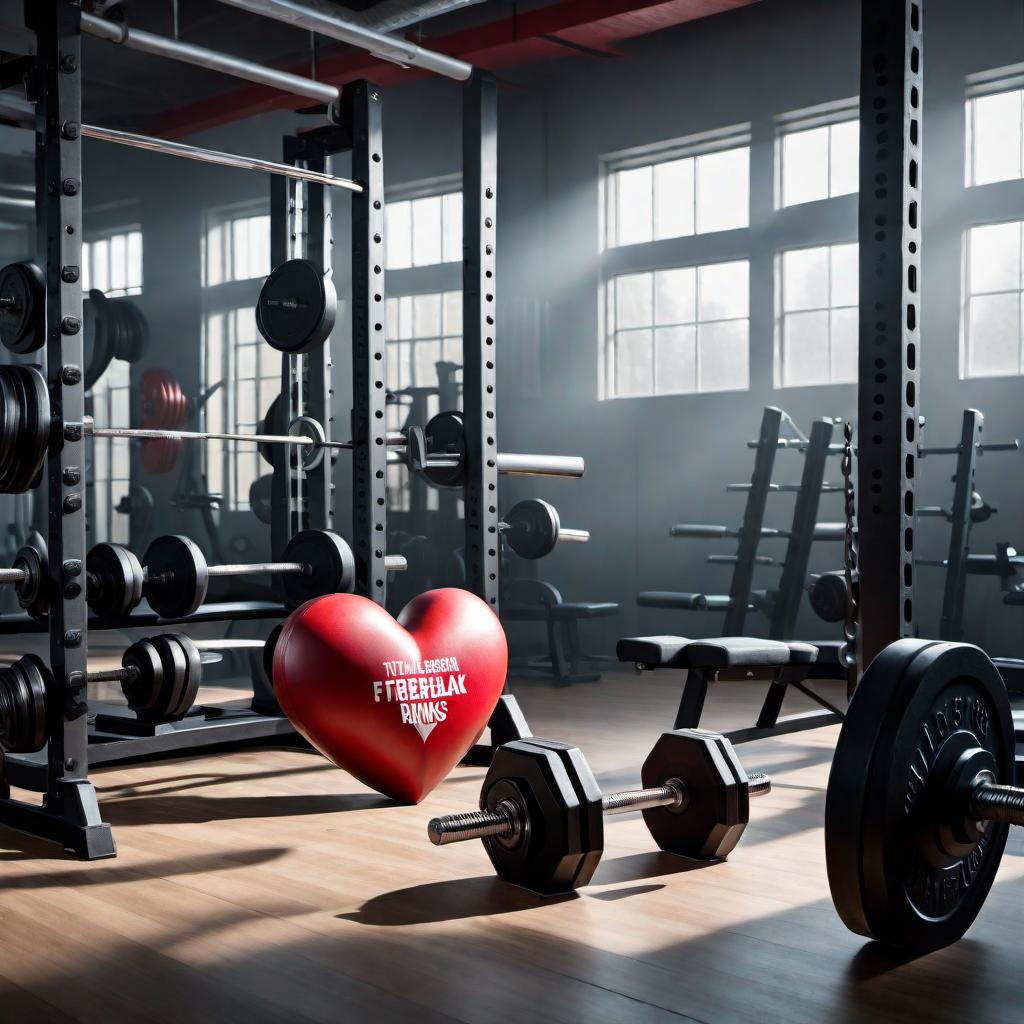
848, 652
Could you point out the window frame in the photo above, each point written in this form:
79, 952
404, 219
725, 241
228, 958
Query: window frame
825, 115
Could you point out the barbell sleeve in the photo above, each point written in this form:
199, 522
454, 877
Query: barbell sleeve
573, 536
515, 464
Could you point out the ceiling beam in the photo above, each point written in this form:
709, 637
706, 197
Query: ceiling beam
560, 30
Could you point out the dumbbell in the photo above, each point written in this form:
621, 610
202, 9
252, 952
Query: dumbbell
533, 528
921, 794
28, 573
160, 678
541, 814
829, 596
176, 575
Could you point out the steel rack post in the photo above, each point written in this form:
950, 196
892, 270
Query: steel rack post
69, 813
891, 93
753, 521
952, 621
363, 116
479, 341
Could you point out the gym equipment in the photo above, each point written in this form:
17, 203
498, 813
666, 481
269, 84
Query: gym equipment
261, 494
533, 528
164, 407
111, 329
921, 795
396, 703
541, 809
297, 307
22, 307
160, 677
176, 575
24, 427
29, 572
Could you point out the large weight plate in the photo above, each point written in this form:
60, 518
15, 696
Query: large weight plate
296, 308
273, 423
22, 306
28, 448
261, 497
97, 336
23, 688
177, 576
533, 528
115, 580
895, 871
33, 593
9, 431
332, 566
193, 674
39, 436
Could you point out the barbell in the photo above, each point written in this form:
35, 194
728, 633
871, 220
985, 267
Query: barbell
532, 528
541, 816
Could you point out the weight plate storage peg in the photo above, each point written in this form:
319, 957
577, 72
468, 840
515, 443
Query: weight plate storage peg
920, 794
22, 307
297, 307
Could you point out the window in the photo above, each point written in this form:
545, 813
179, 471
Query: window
994, 138
819, 162
679, 330
424, 232
113, 263
422, 331
236, 260
111, 458
677, 196
991, 324
816, 331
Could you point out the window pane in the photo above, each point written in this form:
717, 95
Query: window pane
118, 263
723, 190
723, 291
101, 265
392, 313
844, 345
994, 335
676, 359
635, 210
805, 166
997, 137
995, 258
634, 301
427, 355
453, 313
805, 349
246, 365
673, 198
398, 234
805, 279
723, 356
845, 282
675, 296
844, 170
426, 316
426, 231
635, 370
451, 248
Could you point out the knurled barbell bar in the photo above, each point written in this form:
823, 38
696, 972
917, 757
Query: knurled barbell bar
533, 528
921, 795
174, 575
160, 678
541, 814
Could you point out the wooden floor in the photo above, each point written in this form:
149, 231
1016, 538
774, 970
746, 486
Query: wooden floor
269, 886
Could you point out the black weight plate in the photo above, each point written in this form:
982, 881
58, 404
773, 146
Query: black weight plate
894, 873
22, 470
269, 646
261, 497
139, 329
193, 674
22, 320
23, 691
97, 337
533, 528
142, 691
36, 422
33, 592
445, 434
273, 423
115, 580
296, 308
9, 429
172, 679
332, 566
177, 577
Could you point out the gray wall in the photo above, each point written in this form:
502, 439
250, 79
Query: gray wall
654, 461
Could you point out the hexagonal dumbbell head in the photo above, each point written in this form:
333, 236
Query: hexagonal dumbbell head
711, 820
561, 837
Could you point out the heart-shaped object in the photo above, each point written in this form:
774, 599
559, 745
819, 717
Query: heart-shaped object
396, 703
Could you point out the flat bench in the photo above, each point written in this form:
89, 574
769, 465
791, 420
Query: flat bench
782, 663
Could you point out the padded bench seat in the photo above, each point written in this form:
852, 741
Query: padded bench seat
566, 610
714, 653
671, 599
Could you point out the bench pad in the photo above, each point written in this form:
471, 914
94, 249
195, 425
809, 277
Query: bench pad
714, 652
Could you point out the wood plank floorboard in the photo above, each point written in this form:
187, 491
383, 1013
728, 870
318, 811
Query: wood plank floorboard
266, 885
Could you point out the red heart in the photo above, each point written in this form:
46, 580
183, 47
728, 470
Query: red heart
396, 703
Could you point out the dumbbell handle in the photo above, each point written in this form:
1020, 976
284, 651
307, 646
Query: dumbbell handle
392, 563
12, 575
990, 801
508, 820
113, 675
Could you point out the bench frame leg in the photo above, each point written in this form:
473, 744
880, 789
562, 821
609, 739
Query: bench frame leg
691, 703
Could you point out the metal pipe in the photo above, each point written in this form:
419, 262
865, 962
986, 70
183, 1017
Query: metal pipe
573, 536
259, 569
540, 465
213, 156
327, 23
160, 46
